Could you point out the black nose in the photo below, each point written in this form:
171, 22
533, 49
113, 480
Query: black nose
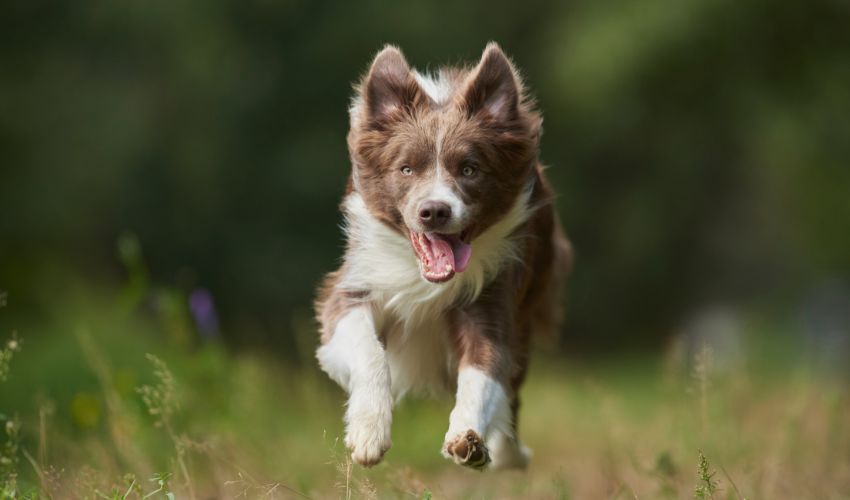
434, 214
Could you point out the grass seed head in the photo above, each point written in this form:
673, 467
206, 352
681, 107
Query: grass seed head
706, 485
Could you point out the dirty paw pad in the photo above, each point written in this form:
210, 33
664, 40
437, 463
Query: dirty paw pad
468, 449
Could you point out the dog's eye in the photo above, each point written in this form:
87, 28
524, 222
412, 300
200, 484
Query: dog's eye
468, 170
406, 170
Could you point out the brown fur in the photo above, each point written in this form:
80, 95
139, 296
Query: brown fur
503, 148
395, 124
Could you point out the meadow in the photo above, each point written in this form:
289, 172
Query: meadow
698, 150
102, 400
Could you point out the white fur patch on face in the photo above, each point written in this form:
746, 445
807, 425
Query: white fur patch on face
355, 359
381, 260
481, 405
438, 87
442, 191
439, 190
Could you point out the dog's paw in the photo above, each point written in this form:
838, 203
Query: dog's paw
467, 449
368, 438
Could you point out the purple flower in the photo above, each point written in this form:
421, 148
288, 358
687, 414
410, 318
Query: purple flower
202, 307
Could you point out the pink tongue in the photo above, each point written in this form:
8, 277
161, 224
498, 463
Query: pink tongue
462, 253
449, 250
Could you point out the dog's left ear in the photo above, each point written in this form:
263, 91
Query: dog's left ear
389, 87
493, 87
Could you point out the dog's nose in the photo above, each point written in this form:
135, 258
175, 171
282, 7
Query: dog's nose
434, 214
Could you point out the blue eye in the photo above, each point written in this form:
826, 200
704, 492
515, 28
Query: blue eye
406, 170
468, 171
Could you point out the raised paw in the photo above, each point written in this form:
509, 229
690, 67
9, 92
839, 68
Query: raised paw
368, 439
467, 449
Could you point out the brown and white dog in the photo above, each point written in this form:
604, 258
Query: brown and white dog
454, 257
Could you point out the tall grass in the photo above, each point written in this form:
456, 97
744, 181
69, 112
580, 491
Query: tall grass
119, 411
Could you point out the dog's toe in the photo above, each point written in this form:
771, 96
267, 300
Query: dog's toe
368, 442
467, 449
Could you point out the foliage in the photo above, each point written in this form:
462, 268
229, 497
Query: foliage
698, 148
161, 479
699, 154
12, 346
160, 399
9, 458
707, 486
204, 422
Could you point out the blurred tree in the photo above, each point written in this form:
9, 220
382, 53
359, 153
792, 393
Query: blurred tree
699, 148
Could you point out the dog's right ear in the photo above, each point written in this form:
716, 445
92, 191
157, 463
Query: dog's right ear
389, 88
494, 88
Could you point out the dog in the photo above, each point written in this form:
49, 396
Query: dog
454, 256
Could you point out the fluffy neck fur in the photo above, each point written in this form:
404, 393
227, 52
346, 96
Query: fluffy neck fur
381, 261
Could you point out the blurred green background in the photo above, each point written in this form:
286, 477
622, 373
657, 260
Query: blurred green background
170, 174
699, 149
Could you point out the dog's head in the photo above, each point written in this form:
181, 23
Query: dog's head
440, 159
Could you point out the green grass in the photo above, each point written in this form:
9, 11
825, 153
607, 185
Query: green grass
107, 404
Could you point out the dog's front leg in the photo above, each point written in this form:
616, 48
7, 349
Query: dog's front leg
482, 406
355, 358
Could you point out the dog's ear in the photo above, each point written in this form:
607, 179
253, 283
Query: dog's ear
493, 87
390, 87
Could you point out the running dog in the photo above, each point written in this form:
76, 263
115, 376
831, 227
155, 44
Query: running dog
455, 255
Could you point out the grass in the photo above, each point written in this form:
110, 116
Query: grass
103, 402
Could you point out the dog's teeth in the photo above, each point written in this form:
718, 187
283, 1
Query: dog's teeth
448, 267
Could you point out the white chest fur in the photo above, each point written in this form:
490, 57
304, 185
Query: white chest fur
409, 310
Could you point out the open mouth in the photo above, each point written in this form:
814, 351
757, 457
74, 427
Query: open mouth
441, 255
